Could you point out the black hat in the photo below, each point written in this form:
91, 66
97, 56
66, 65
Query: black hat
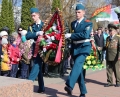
112, 26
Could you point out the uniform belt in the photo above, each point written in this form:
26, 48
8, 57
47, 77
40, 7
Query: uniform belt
81, 41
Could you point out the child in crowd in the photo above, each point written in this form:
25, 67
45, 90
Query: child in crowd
14, 55
3, 34
5, 62
26, 55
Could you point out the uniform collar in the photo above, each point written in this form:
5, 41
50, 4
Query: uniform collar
39, 22
80, 20
112, 36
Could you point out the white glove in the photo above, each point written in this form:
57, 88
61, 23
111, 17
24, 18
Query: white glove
54, 28
52, 38
68, 35
44, 49
39, 33
48, 40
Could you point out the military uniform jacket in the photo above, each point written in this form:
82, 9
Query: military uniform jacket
31, 34
81, 32
112, 48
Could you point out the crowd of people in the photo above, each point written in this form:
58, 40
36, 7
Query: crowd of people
15, 52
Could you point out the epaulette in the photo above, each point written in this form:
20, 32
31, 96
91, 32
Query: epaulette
31, 24
87, 20
118, 35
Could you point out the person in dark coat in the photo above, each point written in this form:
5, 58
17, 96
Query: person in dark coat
99, 41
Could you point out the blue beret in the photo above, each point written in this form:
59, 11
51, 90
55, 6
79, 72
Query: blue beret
34, 10
80, 7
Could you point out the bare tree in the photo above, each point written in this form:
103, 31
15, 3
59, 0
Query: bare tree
92, 5
44, 7
115, 2
17, 13
68, 8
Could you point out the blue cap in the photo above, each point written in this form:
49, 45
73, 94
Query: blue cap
80, 7
34, 10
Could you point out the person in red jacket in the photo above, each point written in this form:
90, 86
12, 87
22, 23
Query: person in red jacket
14, 55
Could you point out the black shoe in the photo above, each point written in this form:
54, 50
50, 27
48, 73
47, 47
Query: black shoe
117, 85
68, 90
42, 92
82, 95
108, 85
69, 68
45, 75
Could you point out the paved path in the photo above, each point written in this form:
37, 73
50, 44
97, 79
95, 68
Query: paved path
54, 87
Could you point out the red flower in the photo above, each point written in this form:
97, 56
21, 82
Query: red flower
52, 34
57, 36
51, 46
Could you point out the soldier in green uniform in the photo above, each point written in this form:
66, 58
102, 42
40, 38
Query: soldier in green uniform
113, 56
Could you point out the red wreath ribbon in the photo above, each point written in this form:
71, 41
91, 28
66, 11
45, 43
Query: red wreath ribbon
37, 46
59, 52
94, 48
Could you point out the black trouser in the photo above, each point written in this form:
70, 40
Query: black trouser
100, 54
14, 70
84, 73
24, 70
5, 73
45, 68
65, 65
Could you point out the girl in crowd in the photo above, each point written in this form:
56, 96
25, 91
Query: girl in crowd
14, 55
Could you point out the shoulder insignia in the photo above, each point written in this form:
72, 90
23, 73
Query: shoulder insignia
118, 35
31, 29
88, 28
87, 20
72, 31
31, 24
